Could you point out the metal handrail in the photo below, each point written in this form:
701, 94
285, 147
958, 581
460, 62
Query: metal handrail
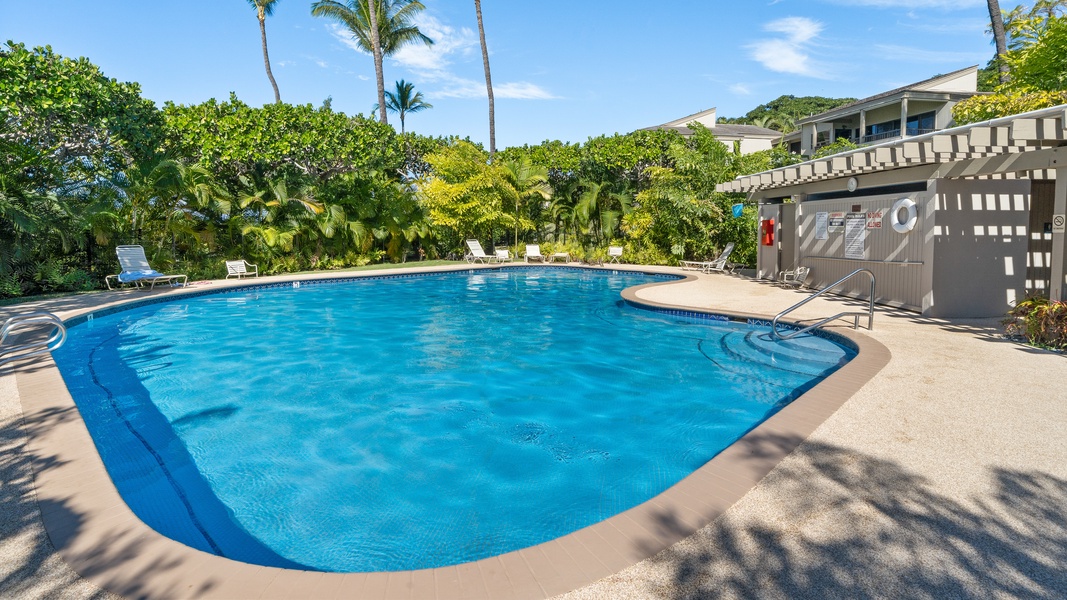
27, 320
856, 315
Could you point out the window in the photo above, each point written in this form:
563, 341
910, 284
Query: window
884, 128
923, 123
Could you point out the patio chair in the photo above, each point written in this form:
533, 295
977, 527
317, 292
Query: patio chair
719, 265
135, 269
614, 253
794, 278
476, 253
533, 252
503, 255
241, 268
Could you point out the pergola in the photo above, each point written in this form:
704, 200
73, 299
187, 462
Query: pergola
1031, 145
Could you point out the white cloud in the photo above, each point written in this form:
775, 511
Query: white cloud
796, 29
342, 35
789, 54
740, 89
434, 64
447, 41
943, 4
286, 63
457, 87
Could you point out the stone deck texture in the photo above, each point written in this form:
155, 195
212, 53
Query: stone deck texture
943, 476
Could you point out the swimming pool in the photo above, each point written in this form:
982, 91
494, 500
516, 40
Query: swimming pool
388, 424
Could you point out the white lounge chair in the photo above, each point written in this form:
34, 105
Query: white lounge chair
614, 253
241, 268
718, 265
476, 253
135, 269
533, 252
794, 278
503, 256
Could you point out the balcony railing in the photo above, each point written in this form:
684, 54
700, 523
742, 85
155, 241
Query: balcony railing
879, 137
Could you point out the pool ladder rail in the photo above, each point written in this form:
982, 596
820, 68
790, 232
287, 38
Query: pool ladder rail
856, 315
31, 321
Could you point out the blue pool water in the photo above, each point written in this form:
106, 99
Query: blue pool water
390, 424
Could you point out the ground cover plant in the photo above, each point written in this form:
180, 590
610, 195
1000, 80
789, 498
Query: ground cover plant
1040, 322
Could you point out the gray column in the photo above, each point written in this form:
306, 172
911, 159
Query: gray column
863, 126
1059, 241
904, 117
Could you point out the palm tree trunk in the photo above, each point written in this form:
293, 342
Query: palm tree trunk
266, 59
376, 43
488, 81
996, 18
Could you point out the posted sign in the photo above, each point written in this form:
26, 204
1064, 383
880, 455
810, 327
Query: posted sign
855, 236
874, 219
836, 222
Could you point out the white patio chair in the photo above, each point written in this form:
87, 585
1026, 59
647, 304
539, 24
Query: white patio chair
241, 268
533, 252
503, 256
614, 253
476, 253
135, 269
794, 277
719, 265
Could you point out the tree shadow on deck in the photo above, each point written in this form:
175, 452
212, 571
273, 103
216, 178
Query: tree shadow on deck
853, 525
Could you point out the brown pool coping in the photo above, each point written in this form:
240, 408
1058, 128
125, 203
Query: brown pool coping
102, 540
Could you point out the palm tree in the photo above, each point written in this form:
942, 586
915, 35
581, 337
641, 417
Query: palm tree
996, 18
528, 181
264, 9
380, 27
404, 101
488, 81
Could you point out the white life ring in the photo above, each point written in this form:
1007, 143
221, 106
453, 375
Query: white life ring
910, 217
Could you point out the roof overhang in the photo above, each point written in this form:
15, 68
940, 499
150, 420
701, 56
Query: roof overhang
1027, 142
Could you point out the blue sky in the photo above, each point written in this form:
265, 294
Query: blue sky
562, 69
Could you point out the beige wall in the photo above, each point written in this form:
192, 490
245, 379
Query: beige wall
748, 146
897, 260
980, 239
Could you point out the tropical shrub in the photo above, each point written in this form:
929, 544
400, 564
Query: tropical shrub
1038, 67
1040, 322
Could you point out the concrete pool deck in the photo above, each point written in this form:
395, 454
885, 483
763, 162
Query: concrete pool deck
943, 476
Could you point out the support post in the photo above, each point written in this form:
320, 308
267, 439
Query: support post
904, 117
1058, 277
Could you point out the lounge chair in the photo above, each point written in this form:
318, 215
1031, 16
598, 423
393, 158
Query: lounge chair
135, 269
533, 252
241, 268
719, 265
503, 256
614, 253
794, 278
476, 253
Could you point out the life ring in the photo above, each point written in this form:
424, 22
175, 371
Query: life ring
911, 215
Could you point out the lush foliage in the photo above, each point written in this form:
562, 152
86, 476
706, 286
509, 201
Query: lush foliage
465, 196
1041, 322
87, 164
233, 139
783, 112
65, 130
1038, 68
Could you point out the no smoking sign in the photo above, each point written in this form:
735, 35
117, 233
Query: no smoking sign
1059, 223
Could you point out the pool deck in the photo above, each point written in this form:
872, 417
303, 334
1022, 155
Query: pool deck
937, 468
